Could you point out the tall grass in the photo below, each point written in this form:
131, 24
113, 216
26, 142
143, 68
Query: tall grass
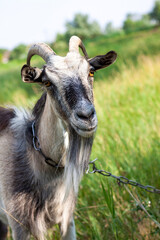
127, 142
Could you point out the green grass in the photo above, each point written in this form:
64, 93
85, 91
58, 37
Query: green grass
127, 142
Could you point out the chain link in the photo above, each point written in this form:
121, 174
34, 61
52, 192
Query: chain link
121, 179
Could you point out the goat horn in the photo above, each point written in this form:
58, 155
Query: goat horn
74, 44
41, 49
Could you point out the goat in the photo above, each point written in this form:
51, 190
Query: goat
44, 153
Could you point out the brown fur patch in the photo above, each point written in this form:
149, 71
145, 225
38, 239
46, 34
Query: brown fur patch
5, 116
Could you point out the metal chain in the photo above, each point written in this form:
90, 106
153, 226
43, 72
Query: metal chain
37, 147
121, 179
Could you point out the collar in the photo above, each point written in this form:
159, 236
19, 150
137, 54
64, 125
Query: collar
37, 147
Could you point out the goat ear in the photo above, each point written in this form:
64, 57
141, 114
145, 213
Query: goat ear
103, 61
30, 74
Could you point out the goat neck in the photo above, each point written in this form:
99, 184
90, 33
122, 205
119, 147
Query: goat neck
51, 133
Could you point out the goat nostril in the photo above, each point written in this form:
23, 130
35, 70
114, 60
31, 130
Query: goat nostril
81, 116
86, 114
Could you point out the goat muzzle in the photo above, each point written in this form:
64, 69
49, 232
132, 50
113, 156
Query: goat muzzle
84, 120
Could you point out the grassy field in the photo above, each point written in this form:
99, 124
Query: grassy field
127, 142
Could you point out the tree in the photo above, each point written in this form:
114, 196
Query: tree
128, 24
155, 14
82, 27
135, 22
109, 29
19, 52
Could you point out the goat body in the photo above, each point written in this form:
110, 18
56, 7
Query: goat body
34, 195
33, 192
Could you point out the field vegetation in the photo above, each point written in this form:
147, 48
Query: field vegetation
127, 142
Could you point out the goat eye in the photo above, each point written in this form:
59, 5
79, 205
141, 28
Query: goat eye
91, 74
47, 83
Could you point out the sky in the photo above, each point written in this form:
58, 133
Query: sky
30, 21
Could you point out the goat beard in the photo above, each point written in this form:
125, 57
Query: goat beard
77, 161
